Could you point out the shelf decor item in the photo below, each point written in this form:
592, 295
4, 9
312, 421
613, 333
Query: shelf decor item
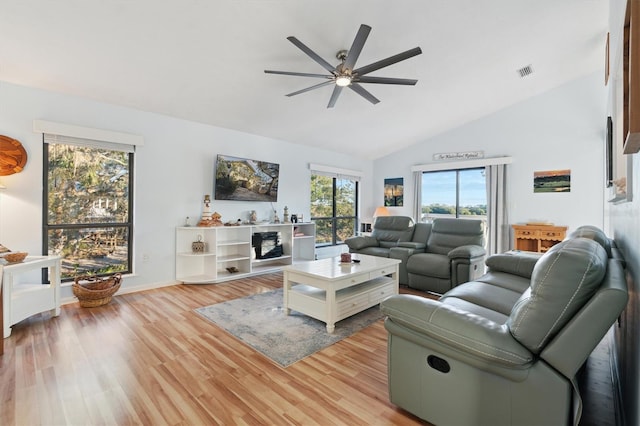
13, 156
93, 291
14, 256
198, 246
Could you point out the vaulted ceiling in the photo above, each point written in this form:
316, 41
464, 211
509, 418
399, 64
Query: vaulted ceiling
203, 60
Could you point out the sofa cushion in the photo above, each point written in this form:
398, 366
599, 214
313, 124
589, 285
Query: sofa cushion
506, 280
447, 234
421, 232
563, 280
392, 236
515, 262
393, 229
375, 251
388, 244
429, 264
492, 297
479, 310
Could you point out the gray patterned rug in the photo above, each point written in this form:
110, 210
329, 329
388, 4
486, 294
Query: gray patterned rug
260, 322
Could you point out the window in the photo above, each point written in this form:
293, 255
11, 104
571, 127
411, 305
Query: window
334, 208
88, 199
454, 193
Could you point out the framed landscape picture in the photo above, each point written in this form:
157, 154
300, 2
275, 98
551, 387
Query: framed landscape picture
552, 181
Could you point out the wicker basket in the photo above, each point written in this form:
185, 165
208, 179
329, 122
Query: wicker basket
15, 256
93, 291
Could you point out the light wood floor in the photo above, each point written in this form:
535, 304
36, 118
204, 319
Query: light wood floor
148, 358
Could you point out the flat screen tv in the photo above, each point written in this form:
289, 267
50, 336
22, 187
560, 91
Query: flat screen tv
242, 179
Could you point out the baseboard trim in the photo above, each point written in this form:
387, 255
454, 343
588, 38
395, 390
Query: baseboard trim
127, 289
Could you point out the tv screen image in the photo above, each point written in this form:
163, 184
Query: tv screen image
242, 179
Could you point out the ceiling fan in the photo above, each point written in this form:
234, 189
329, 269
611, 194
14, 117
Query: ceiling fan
344, 74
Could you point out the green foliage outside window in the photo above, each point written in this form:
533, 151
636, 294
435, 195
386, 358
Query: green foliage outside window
88, 218
333, 208
455, 193
437, 208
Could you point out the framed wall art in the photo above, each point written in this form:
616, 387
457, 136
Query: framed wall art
552, 181
393, 192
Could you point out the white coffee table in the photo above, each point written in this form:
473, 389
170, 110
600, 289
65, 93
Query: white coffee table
330, 291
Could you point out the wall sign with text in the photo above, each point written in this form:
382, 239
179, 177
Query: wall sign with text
469, 155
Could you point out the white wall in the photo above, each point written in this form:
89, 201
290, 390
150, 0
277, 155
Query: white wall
625, 228
560, 129
173, 171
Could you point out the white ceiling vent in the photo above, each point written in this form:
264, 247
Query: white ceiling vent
525, 71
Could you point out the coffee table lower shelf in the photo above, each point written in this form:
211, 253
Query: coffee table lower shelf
312, 301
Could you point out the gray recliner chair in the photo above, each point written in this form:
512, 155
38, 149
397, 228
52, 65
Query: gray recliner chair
454, 255
505, 349
397, 237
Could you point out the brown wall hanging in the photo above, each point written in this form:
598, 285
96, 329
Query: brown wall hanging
13, 157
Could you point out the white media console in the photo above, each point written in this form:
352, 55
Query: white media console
229, 248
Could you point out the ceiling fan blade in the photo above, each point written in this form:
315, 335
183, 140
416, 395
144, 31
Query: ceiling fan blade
388, 61
334, 96
299, 74
364, 93
317, 86
356, 47
313, 55
386, 80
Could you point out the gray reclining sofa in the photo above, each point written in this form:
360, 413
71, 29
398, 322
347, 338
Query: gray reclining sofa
435, 256
397, 237
504, 349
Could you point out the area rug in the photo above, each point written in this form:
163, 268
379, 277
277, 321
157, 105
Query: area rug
260, 322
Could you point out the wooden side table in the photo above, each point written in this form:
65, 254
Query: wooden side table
537, 237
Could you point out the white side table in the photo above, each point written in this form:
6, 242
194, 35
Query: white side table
20, 299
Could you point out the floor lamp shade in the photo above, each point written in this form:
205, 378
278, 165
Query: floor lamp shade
381, 211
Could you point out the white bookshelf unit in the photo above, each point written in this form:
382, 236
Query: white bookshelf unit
230, 247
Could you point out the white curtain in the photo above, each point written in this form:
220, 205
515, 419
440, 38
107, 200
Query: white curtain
497, 221
417, 196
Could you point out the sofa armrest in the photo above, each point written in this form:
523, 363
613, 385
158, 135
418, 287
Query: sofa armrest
402, 253
458, 329
514, 262
467, 252
360, 242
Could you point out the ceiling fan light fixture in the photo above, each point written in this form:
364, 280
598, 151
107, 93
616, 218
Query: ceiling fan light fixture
343, 80
345, 74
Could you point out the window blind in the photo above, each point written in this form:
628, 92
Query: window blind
462, 164
322, 170
68, 140
68, 134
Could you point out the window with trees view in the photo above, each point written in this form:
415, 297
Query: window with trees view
333, 208
88, 215
454, 193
